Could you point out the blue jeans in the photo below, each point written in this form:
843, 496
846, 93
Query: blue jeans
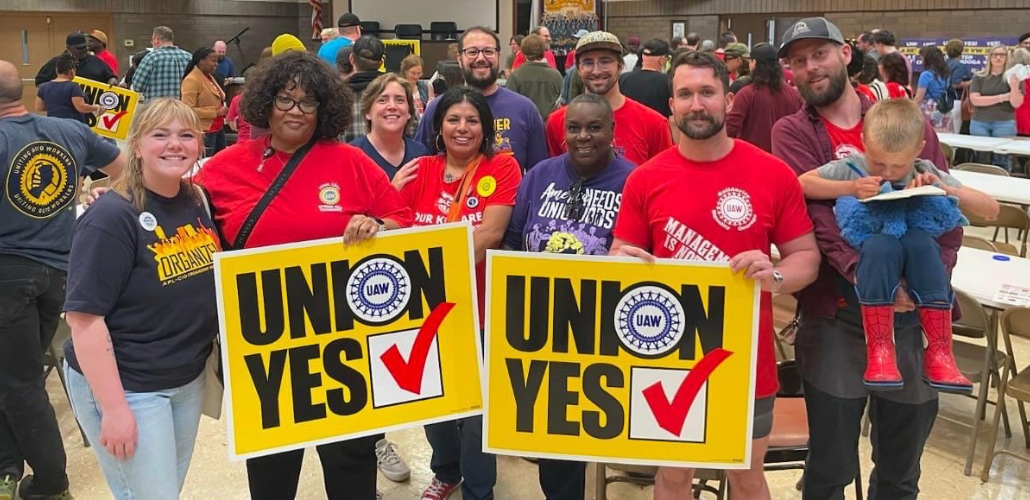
883, 260
214, 142
458, 452
1006, 128
166, 422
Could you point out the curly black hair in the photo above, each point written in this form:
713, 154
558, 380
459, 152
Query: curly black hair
335, 100
460, 94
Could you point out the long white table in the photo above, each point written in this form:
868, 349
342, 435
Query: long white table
975, 142
1007, 189
980, 275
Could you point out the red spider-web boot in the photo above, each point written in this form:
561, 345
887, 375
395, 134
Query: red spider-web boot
881, 372
939, 367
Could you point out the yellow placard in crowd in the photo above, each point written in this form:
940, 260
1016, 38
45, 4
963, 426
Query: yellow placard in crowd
322, 342
119, 107
611, 360
415, 46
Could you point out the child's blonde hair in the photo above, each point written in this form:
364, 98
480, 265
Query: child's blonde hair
894, 125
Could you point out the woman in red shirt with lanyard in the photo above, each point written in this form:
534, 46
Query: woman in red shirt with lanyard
298, 184
465, 181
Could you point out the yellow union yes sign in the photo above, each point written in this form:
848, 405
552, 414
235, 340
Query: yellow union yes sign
604, 359
119, 107
322, 343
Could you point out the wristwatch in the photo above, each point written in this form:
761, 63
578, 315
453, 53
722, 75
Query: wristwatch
382, 225
777, 279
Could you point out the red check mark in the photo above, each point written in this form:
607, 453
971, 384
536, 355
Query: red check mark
109, 121
408, 374
671, 415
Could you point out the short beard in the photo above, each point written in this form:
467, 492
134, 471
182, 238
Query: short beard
483, 83
712, 127
830, 95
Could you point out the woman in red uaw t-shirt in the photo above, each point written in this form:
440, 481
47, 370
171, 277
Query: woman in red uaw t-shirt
464, 182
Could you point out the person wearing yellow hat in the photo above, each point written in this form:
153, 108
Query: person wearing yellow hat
287, 42
98, 46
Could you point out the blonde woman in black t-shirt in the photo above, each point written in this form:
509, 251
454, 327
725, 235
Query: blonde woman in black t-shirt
141, 307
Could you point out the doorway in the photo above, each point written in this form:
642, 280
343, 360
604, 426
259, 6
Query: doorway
35, 37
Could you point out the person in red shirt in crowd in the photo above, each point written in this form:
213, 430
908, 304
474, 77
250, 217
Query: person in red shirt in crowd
544, 33
98, 45
758, 106
894, 73
831, 346
333, 190
465, 182
640, 132
237, 122
687, 189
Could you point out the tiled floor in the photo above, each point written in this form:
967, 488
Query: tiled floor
213, 476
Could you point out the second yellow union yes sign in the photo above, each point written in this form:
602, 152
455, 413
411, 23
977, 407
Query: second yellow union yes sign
610, 360
322, 343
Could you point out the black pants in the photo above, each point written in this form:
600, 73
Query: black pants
214, 142
562, 479
348, 467
899, 432
31, 299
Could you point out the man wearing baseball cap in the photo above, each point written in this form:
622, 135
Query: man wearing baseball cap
649, 85
640, 132
98, 46
89, 67
349, 27
830, 346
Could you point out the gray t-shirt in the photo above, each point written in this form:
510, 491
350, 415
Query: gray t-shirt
988, 86
41, 160
841, 170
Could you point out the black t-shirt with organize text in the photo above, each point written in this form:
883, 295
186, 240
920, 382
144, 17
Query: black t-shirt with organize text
150, 275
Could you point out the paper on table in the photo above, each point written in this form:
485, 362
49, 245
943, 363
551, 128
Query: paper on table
907, 193
1013, 294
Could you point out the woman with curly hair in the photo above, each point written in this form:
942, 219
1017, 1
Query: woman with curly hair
894, 73
332, 189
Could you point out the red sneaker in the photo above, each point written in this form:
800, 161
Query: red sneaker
439, 490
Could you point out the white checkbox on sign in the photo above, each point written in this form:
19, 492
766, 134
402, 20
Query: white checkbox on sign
646, 418
400, 382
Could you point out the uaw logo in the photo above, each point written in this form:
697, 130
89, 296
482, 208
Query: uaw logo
649, 320
378, 290
733, 210
329, 197
800, 27
41, 182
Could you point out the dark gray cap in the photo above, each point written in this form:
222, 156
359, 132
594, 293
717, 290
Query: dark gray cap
810, 28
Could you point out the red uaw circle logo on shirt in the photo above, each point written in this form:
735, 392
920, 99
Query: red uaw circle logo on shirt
733, 210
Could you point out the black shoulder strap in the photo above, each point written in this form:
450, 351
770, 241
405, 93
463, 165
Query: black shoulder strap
248, 225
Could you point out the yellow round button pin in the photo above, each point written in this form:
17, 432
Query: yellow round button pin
487, 185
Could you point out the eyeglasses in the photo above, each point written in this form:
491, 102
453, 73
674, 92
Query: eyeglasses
575, 202
284, 104
603, 63
473, 52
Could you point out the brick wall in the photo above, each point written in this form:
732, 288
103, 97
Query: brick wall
936, 23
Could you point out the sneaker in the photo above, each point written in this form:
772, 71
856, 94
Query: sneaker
439, 490
8, 486
25, 492
390, 463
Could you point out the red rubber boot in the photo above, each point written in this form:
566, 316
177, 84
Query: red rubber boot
939, 367
881, 373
